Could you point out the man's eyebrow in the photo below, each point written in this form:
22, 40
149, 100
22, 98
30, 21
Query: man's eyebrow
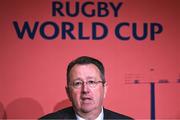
77, 79
88, 77
91, 77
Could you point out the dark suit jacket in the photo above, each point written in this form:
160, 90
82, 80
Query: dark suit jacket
68, 113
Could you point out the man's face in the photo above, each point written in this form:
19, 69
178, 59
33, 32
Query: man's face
86, 98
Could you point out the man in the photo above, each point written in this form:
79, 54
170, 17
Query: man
86, 89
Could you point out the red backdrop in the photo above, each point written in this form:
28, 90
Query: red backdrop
32, 72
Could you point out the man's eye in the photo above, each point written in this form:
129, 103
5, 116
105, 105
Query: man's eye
77, 83
91, 82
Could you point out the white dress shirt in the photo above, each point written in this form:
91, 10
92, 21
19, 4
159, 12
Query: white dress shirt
100, 116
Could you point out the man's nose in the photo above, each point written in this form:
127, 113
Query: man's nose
85, 88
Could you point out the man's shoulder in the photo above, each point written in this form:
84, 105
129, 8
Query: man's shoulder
108, 114
66, 113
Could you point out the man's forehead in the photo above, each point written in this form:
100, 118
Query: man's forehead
82, 66
89, 69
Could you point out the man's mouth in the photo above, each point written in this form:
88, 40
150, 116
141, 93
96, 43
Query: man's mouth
86, 99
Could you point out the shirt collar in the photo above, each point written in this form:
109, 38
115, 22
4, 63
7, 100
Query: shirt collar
100, 117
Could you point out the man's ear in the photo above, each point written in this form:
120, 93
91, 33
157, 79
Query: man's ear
105, 89
67, 92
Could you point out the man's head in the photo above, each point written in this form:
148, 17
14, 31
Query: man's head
86, 86
84, 60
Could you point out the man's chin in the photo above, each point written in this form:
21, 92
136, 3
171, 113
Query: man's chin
87, 109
